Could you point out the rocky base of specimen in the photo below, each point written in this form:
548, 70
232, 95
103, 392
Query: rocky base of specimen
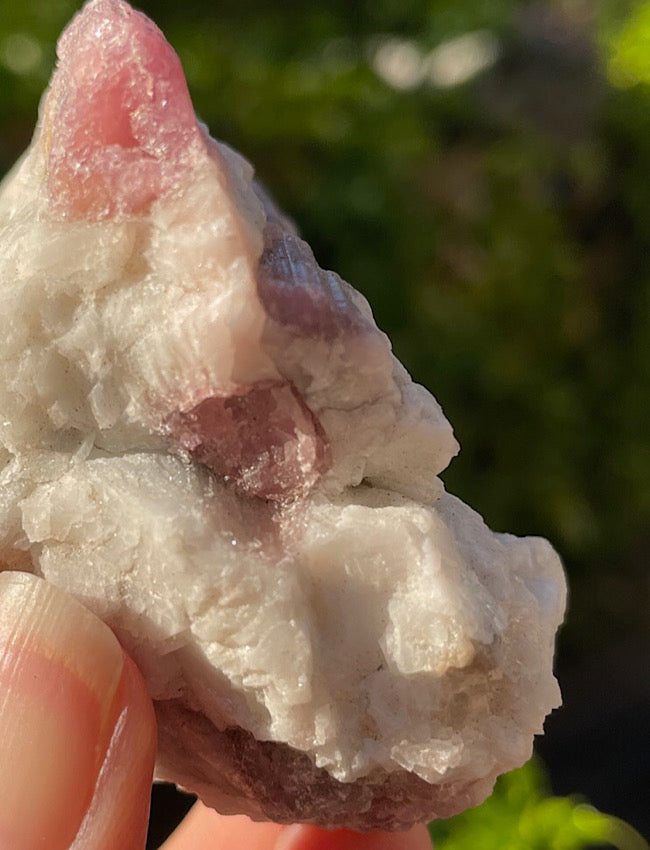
234, 772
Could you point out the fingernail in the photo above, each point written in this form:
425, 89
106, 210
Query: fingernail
59, 672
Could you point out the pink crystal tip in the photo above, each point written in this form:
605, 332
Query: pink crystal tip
118, 118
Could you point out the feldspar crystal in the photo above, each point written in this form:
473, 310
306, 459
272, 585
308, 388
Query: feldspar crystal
206, 439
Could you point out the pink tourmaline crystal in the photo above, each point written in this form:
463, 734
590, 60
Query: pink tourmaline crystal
206, 439
119, 119
264, 440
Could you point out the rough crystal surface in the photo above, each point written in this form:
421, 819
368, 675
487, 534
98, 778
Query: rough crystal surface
206, 439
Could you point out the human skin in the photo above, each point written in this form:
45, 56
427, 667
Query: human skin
78, 742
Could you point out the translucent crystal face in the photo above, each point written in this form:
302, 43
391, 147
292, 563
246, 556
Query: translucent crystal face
206, 438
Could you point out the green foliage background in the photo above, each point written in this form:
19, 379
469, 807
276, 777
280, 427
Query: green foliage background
500, 228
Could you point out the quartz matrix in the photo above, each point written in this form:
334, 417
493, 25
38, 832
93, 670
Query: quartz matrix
205, 438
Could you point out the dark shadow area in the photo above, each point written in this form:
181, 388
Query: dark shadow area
168, 808
598, 744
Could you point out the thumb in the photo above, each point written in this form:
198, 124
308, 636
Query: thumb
77, 731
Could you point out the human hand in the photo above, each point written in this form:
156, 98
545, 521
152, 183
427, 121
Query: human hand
78, 740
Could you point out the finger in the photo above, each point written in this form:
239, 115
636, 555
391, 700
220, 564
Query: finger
118, 814
310, 838
68, 703
204, 829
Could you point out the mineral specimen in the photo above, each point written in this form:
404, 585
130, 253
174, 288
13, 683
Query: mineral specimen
206, 439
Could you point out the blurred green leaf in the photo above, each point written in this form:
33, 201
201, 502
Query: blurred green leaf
629, 49
520, 815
